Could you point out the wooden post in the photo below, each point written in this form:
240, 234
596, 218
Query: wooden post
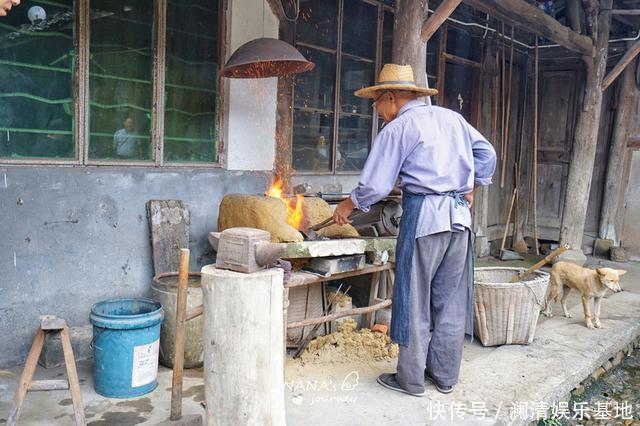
573, 15
441, 14
178, 351
586, 138
629, 94
408, 47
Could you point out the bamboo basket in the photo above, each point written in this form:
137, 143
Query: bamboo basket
506, 313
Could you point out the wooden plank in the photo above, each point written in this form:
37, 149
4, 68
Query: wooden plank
25, 378
438, 17
302, 278
628, 57
535, 20
626, 11
169, 230
48, 385
332, 317
72, 375
178, 352
373, 295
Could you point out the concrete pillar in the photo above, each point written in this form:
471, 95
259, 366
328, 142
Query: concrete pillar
243, 340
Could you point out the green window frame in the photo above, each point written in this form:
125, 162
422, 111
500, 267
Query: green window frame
181, 94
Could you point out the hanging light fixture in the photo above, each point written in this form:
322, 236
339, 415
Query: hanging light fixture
265, 57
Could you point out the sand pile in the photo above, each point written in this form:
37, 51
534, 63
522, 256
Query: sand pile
348, 344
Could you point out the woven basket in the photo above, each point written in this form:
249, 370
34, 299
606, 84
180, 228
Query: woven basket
505, 312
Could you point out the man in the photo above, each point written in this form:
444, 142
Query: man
126, 141
437, 158
6, 5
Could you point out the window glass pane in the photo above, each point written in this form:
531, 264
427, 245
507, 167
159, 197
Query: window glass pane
312, 141
317, 23
192, 63
360, 28
36, 63
315, 89
354, 138
387, 38
120, 81
355, 75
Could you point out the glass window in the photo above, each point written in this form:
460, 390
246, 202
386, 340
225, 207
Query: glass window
354, 138
316, 88
317, 23
192, 65
315, 141
359, 34
120, 79
36, 69
312, 141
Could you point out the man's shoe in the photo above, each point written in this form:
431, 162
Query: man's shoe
439, 387
388, 380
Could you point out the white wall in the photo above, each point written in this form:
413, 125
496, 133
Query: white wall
250, 105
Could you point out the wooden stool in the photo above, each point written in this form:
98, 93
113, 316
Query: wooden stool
49, 324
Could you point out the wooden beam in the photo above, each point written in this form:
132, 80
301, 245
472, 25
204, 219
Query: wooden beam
533, 19
408, 48
621, 65
436, 20
626, 11
277, 9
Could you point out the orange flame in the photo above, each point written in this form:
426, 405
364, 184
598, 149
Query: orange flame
295, 213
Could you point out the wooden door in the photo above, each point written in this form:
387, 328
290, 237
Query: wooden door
557, 113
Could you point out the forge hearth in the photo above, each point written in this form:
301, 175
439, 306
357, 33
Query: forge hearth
270, 214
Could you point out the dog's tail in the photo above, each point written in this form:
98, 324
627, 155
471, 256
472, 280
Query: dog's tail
554, 287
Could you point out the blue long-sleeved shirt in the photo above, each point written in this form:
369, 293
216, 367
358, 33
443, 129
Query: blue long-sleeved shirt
427, 149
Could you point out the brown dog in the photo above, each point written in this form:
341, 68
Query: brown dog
591, 283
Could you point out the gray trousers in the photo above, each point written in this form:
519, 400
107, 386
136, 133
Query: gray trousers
438, 311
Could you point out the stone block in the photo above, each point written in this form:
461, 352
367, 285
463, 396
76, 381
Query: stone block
338, 264
598, 373
571, 256
601, 247
618, 254
52, 355
607, 365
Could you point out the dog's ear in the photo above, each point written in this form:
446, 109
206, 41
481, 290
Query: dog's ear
621, 271
601, 272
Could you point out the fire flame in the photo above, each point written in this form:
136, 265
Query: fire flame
295, 213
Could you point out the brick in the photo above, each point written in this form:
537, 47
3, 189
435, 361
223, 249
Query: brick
380, 328
596, 374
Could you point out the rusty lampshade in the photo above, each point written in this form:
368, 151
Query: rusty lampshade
265, 57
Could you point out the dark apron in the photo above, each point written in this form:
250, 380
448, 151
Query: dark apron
401, 307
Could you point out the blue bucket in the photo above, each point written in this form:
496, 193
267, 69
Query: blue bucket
126, 338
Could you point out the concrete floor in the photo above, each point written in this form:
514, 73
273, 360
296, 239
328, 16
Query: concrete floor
493, 380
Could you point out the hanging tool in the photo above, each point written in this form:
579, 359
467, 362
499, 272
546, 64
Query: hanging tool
507, 113
176, 417
534, 179
519, 245
508, 254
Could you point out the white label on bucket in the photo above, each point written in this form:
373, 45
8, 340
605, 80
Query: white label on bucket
145, 364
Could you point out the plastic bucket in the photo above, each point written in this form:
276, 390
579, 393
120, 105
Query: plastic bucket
126, 339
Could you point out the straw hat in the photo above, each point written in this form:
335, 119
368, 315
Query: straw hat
395, 77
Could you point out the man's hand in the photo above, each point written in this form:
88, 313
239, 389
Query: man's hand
6, 5
469, 198
342, 212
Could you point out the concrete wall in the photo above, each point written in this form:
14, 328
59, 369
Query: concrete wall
73, 236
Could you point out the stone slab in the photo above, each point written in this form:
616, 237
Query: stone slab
338, 247
338, 265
